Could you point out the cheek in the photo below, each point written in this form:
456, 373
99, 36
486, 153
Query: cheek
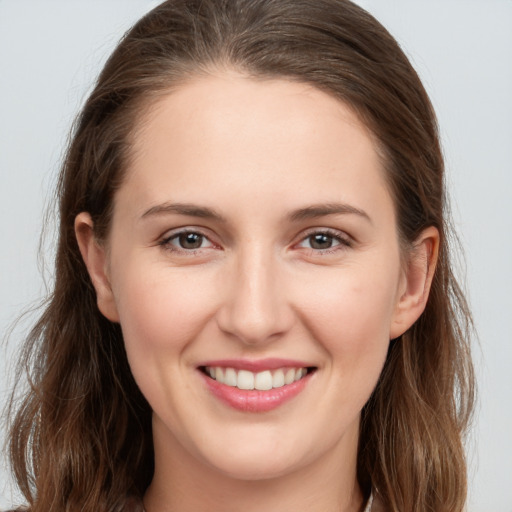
162, 309
351, 314
161, 313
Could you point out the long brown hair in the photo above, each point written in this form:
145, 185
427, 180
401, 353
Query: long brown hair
81, 438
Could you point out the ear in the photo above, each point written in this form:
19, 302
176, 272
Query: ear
416, 282
95, 258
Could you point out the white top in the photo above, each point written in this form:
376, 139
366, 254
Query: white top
368, 507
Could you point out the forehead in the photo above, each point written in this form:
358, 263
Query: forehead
228, 134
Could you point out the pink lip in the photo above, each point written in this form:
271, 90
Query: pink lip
256, 365
254, 400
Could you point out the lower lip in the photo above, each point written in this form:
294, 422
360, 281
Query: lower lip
254, 400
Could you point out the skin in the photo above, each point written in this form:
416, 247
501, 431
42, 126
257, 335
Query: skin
256, 152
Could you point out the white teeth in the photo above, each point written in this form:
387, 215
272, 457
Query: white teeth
230, 377
245, 380
290, 376
278, 379
262, 381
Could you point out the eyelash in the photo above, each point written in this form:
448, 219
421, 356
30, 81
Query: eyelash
343, 242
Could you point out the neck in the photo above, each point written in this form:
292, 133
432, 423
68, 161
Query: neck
182, 483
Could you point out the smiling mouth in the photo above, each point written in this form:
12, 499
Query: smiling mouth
261, 381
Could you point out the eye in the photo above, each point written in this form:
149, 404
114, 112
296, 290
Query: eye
324, 241
187, 241
320, 241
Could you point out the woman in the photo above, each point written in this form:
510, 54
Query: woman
254, 304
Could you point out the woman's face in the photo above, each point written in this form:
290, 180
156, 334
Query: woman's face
254, 240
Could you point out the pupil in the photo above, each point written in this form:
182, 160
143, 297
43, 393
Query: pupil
191, 240
321, 241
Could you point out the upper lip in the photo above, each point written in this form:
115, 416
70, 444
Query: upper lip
256, 365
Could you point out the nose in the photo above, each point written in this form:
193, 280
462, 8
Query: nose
255, 308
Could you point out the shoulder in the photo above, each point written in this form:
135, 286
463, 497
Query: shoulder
131, 504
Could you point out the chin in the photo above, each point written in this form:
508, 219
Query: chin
251, 470
257, 457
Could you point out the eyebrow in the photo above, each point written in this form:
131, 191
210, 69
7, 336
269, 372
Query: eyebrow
310, 212
322, 210
192, 210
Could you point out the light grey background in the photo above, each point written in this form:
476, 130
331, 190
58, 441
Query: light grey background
51, 51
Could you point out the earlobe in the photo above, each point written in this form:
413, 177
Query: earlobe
95, 259
418, 277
